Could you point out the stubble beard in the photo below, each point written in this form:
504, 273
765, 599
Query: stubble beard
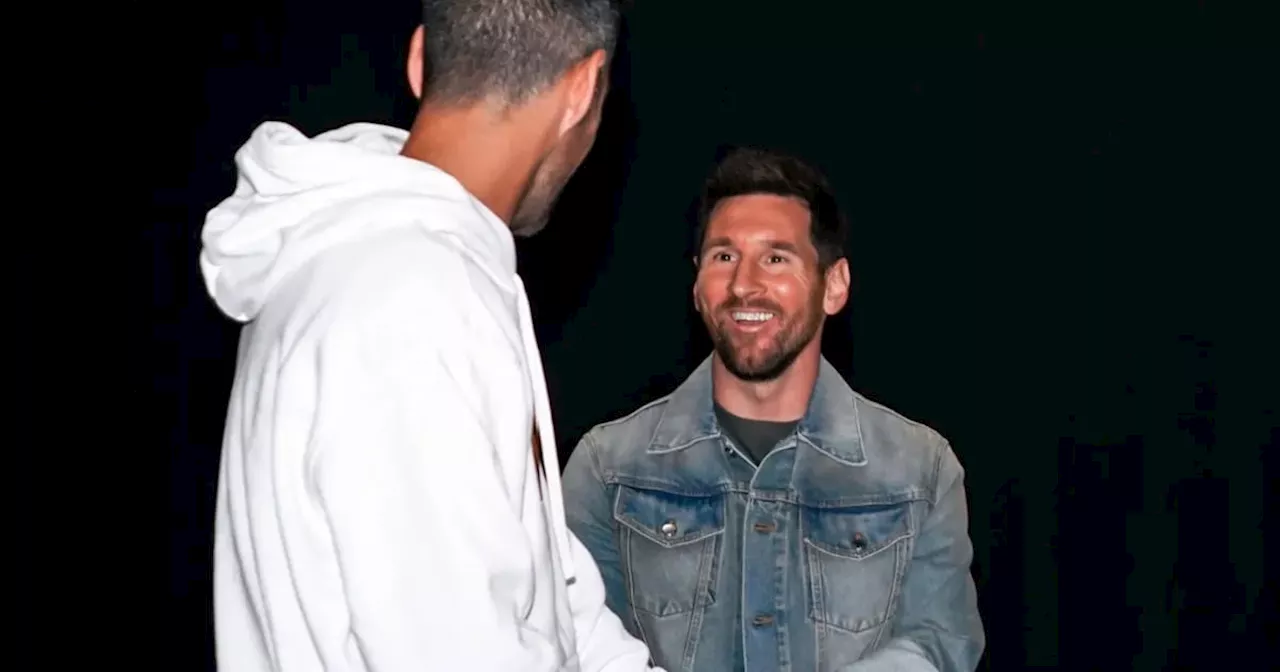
755, 365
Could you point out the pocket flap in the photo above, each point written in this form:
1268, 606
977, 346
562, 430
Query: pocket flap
667, 519
857, 532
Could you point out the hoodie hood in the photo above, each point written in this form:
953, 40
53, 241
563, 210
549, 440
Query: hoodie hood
297, 196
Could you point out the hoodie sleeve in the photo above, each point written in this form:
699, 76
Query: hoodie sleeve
434, 562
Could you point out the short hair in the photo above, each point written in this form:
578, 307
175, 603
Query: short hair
509, 49
749, 170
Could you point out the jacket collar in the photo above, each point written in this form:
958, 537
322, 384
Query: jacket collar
830, 424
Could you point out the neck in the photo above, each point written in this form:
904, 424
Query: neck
489, 150
783, 399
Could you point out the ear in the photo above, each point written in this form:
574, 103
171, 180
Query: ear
415, 65
694, 291
836, 292
580, 84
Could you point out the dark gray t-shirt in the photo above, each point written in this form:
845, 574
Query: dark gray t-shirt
756, 437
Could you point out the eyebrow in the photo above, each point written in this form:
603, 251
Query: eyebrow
781, 245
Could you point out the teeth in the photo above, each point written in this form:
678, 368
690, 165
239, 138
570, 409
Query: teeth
751, 316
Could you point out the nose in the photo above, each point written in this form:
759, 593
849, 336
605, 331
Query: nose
745, 282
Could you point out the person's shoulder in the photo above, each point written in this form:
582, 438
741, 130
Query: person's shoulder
402, 280
893, 425
628, 436
908, 442
406, 264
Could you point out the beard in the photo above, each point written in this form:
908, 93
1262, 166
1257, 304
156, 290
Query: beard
534, 212
741, 354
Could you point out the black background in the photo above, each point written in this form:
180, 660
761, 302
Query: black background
1062, 236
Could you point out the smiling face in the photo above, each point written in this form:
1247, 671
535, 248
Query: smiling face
760, 289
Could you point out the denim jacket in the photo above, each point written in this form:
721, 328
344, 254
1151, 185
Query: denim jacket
847, 549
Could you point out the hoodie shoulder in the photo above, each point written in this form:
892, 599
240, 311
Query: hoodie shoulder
398, 277
335, 196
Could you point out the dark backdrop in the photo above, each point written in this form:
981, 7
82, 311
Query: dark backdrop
1062, 259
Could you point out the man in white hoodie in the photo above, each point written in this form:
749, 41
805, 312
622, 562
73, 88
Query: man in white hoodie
382, 501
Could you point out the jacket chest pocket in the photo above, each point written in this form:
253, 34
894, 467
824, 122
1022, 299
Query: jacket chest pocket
671, 548
855, 559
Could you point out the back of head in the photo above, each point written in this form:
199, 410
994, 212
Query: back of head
509, 49
749, 170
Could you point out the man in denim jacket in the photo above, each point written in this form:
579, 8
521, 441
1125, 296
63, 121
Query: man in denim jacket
764, 516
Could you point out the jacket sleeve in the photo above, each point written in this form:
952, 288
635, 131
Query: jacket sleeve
938, 626
435, 565
599, 594
603, 644
589, 513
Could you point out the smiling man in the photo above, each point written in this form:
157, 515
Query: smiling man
764, 512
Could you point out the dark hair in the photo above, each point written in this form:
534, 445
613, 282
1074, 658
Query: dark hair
748, 170
510, 49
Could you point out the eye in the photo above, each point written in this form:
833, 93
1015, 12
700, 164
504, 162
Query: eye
722, 256
777, 259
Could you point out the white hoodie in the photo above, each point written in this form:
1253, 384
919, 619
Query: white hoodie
378, 506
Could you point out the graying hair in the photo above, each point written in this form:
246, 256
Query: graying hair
509, 49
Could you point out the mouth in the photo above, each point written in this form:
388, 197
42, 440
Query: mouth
751, 320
